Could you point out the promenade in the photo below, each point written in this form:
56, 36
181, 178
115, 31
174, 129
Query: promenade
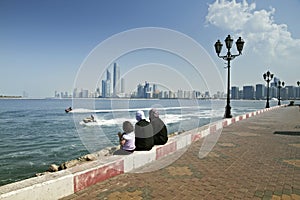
256, 158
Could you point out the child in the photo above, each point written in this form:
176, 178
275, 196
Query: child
127, 140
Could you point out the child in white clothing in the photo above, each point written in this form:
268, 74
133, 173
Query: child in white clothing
127, 140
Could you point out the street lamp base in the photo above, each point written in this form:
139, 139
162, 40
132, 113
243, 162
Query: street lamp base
267, 105
227, 112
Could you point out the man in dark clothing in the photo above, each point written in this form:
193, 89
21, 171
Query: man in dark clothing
160, 132
143, 133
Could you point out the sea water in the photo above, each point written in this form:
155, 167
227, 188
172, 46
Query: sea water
35, 133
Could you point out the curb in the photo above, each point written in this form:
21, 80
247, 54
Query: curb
66, 182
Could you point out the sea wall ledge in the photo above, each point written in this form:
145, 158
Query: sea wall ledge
66, 182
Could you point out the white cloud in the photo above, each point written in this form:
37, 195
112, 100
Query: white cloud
257, 28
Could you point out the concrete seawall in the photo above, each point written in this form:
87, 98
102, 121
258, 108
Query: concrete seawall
66, 182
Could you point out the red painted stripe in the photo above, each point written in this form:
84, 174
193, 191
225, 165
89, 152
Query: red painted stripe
165, 150
232, 120
225, 123
212, 129
94, 176
195, 137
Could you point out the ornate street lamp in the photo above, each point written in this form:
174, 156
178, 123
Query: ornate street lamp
298, 83
279, 86
268, 77
228, 57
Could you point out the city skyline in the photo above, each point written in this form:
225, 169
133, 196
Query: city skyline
41, 52
149, 91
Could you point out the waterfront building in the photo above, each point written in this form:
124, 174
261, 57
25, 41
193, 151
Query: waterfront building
116, 81
234, 92
147, 90
206, 94
260, 91
275, 81
140, 91
76, 93
298, 92
85, 93
180, 94
104, 89
273, 92
248, 92
291, 92
122, 85
108, 88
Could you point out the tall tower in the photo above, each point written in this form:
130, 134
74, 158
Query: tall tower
116, 83
122, 85
108, 84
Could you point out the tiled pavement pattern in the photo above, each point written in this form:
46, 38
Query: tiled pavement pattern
248, 162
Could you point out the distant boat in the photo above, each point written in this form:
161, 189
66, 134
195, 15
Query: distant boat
68, 109
274, 99
89, 119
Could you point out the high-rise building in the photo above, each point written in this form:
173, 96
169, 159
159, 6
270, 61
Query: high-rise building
291, 92
260, 91
248, 92
273, 92
122, 85
108, 84
85, 93
116, 81
147, 90
140, 91
234, 92
275, 81
104, 90
108, 75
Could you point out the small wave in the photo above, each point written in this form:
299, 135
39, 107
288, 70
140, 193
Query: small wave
106, 122
84, 110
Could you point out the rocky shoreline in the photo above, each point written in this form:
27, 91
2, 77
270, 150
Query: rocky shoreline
86, 158
108, 151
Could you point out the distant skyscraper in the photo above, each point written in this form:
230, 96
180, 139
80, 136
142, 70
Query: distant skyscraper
104, 88
108, 84
122, 85
234, 92
140, 91
248, 92
85, 93
108, 88
275, 81
147, 90
117, 81
291, 92
260, 91
108, 75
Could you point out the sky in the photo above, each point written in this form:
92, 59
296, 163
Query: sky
46, 46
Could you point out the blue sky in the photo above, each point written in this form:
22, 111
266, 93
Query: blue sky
44, 43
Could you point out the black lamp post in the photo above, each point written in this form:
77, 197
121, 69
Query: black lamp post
268, 77
279, 86
298, 83
228, 57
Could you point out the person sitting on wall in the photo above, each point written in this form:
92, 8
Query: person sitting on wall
126, 139
160, 132
143, 133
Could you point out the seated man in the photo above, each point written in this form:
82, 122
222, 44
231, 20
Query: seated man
160, 132
143, 133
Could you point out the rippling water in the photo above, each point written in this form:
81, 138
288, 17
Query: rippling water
37, 133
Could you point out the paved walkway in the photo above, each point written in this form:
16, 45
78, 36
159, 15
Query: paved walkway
248, 162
